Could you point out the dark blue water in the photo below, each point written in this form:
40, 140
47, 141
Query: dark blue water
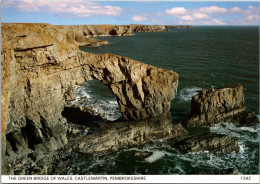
204, 57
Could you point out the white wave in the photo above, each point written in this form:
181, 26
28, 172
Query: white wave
155, 156
242, 148
107, 107
249, 129
81, 95
240, 133
179, 169
241, 161
187, 93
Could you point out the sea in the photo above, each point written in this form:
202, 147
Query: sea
204, 57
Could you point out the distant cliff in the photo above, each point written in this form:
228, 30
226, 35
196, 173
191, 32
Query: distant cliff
112, 30
83, 34
178, 26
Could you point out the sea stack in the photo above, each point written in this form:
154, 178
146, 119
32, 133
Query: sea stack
216, 105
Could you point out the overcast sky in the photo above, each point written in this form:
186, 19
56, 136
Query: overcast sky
71, 12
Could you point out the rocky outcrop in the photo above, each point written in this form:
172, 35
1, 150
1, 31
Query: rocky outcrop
91, 42
100, 30
109, 138
147, 28
178, 26
225, 104
116, 134
218, 144
41, 64
142, 90
142, 154
112, 30
82, 33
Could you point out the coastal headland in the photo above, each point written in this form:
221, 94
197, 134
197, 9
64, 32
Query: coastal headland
42, 63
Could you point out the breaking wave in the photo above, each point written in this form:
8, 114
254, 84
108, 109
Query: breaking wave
165, 159
241, 133
101, 100
187, 93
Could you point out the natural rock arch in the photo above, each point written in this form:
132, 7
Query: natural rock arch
40, 65
142, 91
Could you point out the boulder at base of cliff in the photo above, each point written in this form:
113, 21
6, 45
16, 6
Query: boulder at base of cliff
227, 104
214, 143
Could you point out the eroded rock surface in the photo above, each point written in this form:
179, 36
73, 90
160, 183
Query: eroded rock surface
142, 90
215, 143
41, 64
179, 26
142, 154
116, 134
147, 28
112, 30
218, 105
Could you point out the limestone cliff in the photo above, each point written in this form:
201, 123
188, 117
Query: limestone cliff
179, 26
111, 30
41, 64
100, 30
147, 28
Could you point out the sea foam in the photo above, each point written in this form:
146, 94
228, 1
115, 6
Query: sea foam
155, 156
85, 96
187, 93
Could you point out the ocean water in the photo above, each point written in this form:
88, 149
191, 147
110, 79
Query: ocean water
99, 97
204, 57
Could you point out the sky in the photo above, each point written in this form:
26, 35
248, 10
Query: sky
76, 12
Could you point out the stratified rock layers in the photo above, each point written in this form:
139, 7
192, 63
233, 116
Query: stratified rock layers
218, 144
112, 30
41, 64
142, 90
116, 134
218, 105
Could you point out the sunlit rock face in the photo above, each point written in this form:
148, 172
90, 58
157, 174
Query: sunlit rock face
142, 90
42, 63
216, 105
112, 30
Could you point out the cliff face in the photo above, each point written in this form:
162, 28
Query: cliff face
178, 26
33, 55
147, 28
112, 30
41, 64
100, 30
